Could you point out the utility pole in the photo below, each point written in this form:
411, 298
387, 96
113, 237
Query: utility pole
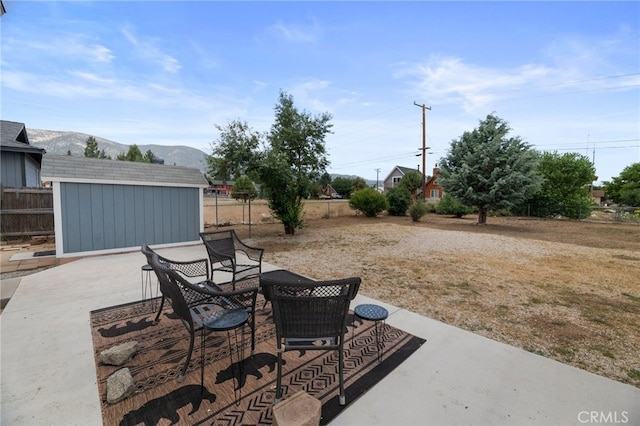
424, 146
377, 178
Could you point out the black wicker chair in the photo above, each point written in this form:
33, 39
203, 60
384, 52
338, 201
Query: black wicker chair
195, 271
308, 313
227, 253
193, 302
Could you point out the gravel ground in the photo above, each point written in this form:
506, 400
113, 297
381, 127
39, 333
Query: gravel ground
576, 304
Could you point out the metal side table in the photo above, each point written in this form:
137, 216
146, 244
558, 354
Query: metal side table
378, 314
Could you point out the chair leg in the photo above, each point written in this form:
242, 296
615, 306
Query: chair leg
253, 332
343, 398
157, 318
279, 379
186, 362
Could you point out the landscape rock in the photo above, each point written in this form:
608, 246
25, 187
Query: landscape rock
119, 386
119, 354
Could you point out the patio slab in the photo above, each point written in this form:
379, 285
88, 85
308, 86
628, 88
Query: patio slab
457, 377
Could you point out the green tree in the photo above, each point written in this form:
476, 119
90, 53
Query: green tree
343, 186
399, 200
487, 170
92, 151
134, 154
148, 156
412, 181
448, 205
295, 159
359, 183
244, 189
369, 201
417, 209
625, 189
565, 186
235, 153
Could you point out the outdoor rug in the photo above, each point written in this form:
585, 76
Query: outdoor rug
158, 398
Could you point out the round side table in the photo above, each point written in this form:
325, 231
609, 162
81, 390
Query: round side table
147, 285
226, 320
378, 314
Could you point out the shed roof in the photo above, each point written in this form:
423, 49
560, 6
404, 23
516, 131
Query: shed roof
64, 168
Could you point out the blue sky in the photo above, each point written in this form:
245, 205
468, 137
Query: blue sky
565, 75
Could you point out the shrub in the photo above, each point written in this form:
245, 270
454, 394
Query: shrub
369, 201
399, 200
417, 209
450, 205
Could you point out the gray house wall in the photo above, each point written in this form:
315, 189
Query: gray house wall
19, 170
102, 217
12, 169
19, 161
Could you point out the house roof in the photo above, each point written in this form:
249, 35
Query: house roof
13, 137
64, 168
402, 170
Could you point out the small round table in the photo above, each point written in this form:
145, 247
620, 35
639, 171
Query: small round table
145, 275
378, 314
225, 320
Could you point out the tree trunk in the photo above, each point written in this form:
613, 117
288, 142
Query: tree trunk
289, 229
482, 216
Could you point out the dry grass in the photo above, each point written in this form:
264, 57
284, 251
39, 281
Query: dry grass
566, 290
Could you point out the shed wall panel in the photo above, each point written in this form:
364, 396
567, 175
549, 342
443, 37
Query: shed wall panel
108, 216
84, 217
101, 217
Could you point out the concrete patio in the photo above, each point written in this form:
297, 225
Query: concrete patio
456, 377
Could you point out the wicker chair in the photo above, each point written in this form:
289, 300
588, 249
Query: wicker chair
194, 271
227, 253
192, 303
310, 312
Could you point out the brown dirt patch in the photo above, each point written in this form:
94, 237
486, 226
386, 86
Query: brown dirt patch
567, 290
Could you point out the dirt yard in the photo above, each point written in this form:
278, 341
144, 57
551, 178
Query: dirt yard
567, 290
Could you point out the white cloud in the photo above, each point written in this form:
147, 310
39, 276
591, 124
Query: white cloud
449, 80
147, 49
296, 33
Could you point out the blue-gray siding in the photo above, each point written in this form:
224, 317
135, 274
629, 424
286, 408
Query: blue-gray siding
101, 217
12, 169
19, 170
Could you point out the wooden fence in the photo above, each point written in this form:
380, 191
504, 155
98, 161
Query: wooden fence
25, 212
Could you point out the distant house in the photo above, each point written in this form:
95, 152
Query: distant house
432, 189
396, 174
329, 192
20, 161
220, 187
109, 206
597, 195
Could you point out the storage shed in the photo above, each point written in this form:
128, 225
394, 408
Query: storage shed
109, 206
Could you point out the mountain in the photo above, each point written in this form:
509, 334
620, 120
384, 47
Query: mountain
368, 181
58, 142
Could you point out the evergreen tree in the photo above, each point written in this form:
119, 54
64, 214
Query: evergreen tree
486, 169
